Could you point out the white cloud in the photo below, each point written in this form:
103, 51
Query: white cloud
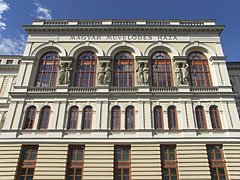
3, 7
12, 46
43, 12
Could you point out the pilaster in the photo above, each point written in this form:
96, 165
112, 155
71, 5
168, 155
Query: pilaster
10, 115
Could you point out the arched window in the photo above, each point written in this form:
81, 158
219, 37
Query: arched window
123, 70
130, 117
161, 70
116, 117
158, 117
87, 117
73, 118
215, 118
48, 69
172, 118
30, 118
44, 119
200, 116
86, 70
199, 70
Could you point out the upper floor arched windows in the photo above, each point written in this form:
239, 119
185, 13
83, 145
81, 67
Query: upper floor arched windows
200, 116
199, 70
116, 117
30, 117
47, 70
87, 118
123, 70
161, 70
130, 118
73, 118
215, 118
86, 70
44, 119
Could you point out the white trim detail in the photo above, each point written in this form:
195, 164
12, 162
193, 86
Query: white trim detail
85, 47
51, 46
123, 46
199, 47
162, 46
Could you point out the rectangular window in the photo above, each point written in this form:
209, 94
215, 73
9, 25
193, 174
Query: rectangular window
9, 61
122, 163
75, 162
28, 162
216, 162
169, 162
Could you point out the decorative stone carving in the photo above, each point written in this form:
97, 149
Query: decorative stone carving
104, 74
146, 74
182, 74
101, 74
139, 72
61, 74
108, 75
68, 73
64, 73
142, 74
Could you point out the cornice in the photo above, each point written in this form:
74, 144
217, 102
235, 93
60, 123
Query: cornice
31, 29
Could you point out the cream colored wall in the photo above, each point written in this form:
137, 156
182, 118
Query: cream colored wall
9, 160
193, 162
232, 159
51, 162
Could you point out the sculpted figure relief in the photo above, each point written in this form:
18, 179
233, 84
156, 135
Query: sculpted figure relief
101, 74
104, 74
108, 75
182, 74
142, 74
61, 74
64, 73
146, 74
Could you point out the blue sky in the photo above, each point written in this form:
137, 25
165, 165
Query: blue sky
15, 13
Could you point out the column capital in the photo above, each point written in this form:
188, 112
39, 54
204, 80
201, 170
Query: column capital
218, 59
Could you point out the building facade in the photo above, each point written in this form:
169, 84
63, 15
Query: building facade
120, 99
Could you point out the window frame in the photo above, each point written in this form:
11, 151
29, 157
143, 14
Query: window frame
83, 62
78, 164
158, 120
112, 116
161, 62
126, 118
202, 120
176, 118
200, 62
122, 164
55, 62
83, 120
216, 119
41, 116
75, 118
28, 164
26, 126
217, 163
119, 62
168, 164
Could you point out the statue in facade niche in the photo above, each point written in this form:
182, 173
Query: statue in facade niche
146, 74
108, 75
140, 77
182, 74
185, 73
61, 74
101, 74
68, 73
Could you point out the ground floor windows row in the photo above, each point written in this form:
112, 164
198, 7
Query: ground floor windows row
122, 162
